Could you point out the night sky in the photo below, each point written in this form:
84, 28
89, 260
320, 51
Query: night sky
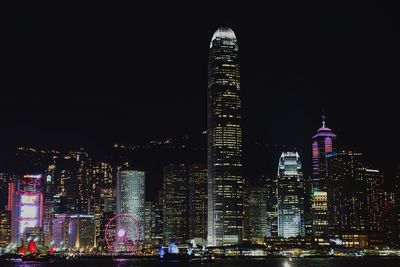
93, 74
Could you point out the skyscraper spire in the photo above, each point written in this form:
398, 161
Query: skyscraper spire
323, 119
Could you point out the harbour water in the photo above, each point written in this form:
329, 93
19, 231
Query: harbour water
253, 262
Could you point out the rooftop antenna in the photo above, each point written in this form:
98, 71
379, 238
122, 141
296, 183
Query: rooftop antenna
323, 120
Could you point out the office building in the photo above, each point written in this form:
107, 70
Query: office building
27, 209
322, 145
290, 196
130, 194
5, 228
255, 215
175, 208
82, 232
225, 174
197, 200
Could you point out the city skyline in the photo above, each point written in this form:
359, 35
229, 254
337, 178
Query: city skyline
321, 72
150, 172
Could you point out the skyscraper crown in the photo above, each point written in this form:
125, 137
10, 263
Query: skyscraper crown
223, 33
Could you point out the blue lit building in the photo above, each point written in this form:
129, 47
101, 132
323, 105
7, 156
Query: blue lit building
290, 196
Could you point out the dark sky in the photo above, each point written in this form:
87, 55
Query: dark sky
90, 74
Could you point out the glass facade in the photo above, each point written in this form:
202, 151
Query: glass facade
225, 178
290, 196
130, 195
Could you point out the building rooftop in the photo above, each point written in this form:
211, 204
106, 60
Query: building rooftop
223, 33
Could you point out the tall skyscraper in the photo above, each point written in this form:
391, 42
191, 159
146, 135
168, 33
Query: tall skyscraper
225, 175
130, 195
290, 196
322, 145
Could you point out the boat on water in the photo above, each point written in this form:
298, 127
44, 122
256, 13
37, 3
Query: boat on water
173, 254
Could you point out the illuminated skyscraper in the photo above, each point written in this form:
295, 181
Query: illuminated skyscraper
225, 176
290, 196
322, 146
27, 212
130, 195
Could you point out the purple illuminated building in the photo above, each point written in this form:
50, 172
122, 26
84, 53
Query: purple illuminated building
322, 146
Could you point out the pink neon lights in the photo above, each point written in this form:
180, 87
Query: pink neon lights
315, 151
122, 232
328, 145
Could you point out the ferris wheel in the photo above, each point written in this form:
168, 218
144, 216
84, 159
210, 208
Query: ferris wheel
122, 233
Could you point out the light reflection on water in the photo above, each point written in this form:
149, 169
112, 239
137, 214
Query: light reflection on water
271, 262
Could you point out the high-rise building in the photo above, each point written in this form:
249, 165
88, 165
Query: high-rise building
322, 145
355, 196
197, 200
175, 211
82, 231
255, 214
84, 182
308, 225
130, 194
290, 196
271, 185
225, 174
390, 219
59, 231
157, 231
375, 199
27, 212
5, 228
4, 180
102, 196
148, 221
185, 203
